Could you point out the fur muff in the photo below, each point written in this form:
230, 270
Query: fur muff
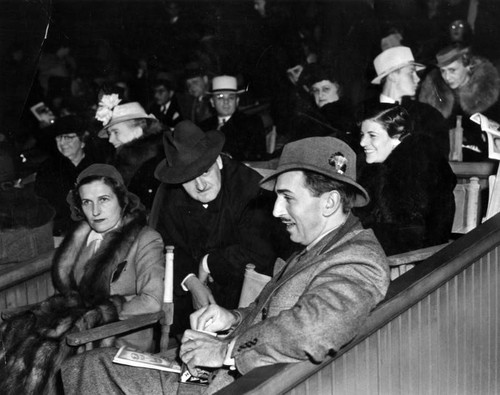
33, 343
478, 95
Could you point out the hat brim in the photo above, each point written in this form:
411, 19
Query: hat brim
379, 77
269, 182
205, 159
103, 132
213, 92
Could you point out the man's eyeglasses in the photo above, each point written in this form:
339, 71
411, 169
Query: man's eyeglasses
66, 137
225, 96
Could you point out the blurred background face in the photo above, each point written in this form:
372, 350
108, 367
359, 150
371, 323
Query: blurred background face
225, 103
100, 206
376, 142
457, 30
206, 187
162, 95
70, 145
455, 74
325, 92
123, 133
260, 7
196, 86
407, 80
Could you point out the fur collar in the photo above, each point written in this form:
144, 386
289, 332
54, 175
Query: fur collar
478, 95
104, 266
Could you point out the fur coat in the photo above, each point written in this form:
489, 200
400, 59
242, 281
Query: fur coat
34, 342
412, 203
478, 95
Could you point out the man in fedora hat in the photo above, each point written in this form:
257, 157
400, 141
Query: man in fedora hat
137, 138
245, 134
211, 209
397, 74
314, 304
462, 85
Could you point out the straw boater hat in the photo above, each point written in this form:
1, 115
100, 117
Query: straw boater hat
328, 156
189, 153
110, 112
393, 59
225, 83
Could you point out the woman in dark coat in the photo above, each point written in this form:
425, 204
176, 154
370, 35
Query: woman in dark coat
57, 175
409, 181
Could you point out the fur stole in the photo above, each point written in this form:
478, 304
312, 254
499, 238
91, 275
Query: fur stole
131, 156
33, 343
104, 267
478, 95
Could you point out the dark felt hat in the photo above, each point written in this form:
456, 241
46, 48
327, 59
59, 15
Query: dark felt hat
68, 124
450, 54
189, 152
324, 155
100, 170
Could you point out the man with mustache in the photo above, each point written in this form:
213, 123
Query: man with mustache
314, 304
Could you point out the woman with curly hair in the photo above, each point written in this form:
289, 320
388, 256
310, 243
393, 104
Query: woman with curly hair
108, 268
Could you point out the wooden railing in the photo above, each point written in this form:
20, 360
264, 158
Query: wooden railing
26, 283
436, 332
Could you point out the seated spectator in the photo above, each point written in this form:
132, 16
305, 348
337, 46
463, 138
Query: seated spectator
211, 209
165, 107
462, 85
409, 180
195, 105
336, 118
57, 175
315, 303
137, 138
245, 134
25, 219
397, 74
109, 268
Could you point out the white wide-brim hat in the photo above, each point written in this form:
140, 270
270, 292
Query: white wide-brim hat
225, 83
126, 112
393, 59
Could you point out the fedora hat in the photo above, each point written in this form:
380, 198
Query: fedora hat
189, 152
110, 113
449, 54
328, 156
68, 124
393, 59
225, 83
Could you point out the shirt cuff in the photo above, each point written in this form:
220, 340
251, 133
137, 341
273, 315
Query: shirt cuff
204, 264
228, 361
183, 286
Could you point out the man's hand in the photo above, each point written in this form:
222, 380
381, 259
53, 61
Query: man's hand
201, 294
212, 318
202, 274
201, 349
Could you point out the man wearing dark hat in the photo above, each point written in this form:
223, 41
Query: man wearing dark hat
165, 107
211, 209
195, 105
245, 134
462, 85
315, 303
397, 75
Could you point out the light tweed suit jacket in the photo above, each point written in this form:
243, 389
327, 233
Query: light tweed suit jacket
314, 304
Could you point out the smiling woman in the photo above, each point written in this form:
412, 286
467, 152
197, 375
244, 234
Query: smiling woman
409, 181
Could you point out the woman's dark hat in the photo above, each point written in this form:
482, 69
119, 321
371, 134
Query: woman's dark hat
189, 153
100, 170
328, 156
67, 125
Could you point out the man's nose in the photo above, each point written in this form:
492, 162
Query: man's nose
278, 209
200, 184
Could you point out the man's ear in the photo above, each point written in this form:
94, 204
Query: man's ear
237, 101
333, 202
220, 165
212, 102
393, 77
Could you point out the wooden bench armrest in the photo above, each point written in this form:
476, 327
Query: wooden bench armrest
414, 256
113, 329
